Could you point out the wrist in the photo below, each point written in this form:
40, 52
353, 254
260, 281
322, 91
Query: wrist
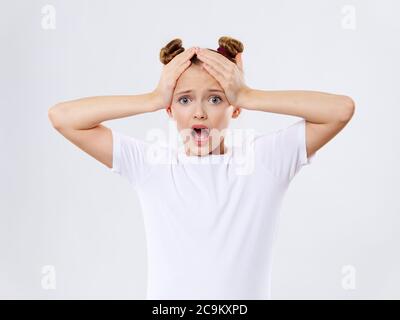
243, 97
156, 101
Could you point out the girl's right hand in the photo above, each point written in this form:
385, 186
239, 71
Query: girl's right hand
170, 74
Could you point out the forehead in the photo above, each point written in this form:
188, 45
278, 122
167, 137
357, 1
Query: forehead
196, 80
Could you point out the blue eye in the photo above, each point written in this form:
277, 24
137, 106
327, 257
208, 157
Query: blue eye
218, 98
182, 98
213, 97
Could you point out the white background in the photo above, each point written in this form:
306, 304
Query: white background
62, 208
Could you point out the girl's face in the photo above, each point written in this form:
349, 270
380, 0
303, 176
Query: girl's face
198, 99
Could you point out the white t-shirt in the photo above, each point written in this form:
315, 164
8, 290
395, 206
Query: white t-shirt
211, 222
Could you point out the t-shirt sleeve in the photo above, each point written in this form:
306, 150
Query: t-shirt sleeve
130, 157
284, 151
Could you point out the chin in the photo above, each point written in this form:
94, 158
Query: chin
200, 150
203, 150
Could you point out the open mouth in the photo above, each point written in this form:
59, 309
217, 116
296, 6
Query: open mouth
200, 134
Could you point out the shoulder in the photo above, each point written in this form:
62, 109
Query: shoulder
282, 151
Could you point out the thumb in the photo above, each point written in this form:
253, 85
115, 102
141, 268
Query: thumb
239, 60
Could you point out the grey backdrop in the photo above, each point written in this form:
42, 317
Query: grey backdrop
70, 228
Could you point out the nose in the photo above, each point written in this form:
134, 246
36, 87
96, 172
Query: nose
199, 113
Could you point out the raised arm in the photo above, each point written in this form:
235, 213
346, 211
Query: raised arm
326, 114
80, 120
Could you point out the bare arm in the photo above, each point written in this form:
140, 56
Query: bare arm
326, 114
80, 120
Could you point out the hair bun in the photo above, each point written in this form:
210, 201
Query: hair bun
230, 47
172, 49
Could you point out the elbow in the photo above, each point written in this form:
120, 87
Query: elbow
55, 115
347, 109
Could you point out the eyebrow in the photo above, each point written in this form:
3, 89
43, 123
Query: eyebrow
209, 90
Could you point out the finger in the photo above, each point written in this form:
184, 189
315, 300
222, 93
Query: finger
239, 61
224, 61
181, 64
215, 55
179, 59
185, 55
214, 59
213, 72
215, 65
179, 70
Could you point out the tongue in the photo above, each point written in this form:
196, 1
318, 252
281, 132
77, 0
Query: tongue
203, 134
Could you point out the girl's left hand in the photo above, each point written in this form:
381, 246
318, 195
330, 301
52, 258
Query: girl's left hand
229, 75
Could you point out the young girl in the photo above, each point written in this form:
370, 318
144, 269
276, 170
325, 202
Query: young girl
210, 224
